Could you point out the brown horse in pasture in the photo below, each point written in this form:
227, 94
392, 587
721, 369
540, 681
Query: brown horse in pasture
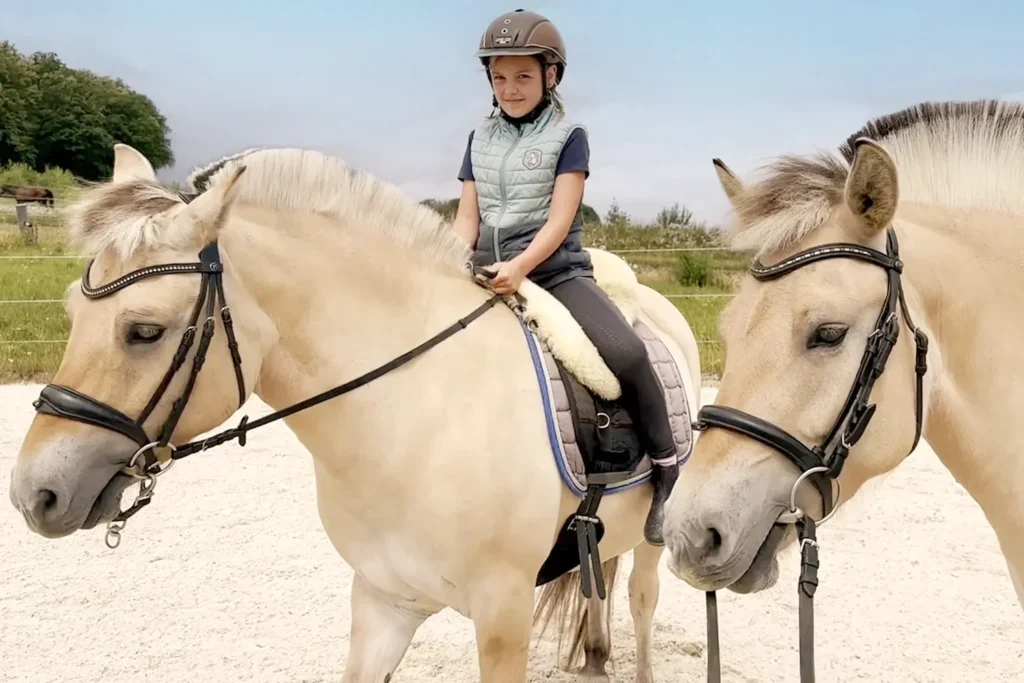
27, 193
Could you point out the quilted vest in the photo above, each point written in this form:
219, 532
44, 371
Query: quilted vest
514, 168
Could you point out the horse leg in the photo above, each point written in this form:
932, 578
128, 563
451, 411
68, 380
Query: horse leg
644, 585
502, 611
597, 644
381, 633
1018, 584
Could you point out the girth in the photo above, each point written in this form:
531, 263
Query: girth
823, 463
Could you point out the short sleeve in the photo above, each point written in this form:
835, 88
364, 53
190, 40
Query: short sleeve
466, 173
575, 154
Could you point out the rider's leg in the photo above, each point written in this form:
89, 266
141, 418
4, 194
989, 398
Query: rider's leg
626, 356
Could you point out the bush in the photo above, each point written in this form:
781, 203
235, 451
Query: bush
694, 270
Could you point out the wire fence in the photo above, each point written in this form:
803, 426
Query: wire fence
61, 257
620, 251
19, 342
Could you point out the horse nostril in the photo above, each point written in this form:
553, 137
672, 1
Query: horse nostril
714, 540
702, 547
46, 500
49, 498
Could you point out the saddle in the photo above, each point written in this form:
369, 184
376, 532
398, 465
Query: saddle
592, 435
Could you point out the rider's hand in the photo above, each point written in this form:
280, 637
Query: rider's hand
510, 275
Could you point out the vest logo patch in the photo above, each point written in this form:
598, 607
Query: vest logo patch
531, 159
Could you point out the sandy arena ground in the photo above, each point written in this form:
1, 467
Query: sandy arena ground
228, 576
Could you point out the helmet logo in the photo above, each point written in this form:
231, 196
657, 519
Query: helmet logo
531, 159
503, 40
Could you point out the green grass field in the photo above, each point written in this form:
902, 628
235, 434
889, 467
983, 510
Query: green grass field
31, 334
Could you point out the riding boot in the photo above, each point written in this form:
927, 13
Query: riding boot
663, 477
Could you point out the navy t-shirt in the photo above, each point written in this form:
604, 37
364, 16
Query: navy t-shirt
575, 156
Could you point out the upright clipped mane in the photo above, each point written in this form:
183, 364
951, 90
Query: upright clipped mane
122, 216
957, 154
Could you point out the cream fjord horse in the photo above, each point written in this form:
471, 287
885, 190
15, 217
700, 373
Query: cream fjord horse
943, 184
435, 480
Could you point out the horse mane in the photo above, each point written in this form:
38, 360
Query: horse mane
957, 154
130, 216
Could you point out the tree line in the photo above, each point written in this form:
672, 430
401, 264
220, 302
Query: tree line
53, 116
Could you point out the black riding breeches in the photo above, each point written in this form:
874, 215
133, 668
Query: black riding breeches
626, 356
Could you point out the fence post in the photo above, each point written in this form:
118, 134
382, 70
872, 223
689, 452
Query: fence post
28, 231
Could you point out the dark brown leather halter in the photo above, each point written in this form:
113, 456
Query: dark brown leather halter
822, 464
62, 401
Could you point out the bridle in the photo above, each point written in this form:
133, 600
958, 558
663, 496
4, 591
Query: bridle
822, 464
66, 402
62, 401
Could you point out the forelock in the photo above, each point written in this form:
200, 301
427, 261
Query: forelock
120, 216
796, 196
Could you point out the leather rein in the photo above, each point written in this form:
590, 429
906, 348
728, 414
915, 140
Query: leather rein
65, 402
822, 464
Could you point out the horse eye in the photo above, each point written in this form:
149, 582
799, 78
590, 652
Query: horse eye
144, 334
831, 334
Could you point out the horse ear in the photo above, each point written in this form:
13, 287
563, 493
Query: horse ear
129, 164
207, 211
872, 188
731, 183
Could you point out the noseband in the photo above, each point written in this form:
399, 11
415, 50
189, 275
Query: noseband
823, 463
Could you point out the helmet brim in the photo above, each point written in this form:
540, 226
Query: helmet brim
512, 51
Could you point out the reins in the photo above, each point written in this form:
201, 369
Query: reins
62, 401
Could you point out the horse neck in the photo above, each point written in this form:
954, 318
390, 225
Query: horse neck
343, 301
963, 288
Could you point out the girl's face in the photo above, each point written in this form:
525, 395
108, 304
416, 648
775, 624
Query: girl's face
517, 83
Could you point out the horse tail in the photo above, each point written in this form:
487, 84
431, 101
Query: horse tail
563, 598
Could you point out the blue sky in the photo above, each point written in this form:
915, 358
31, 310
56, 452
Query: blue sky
394, 87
